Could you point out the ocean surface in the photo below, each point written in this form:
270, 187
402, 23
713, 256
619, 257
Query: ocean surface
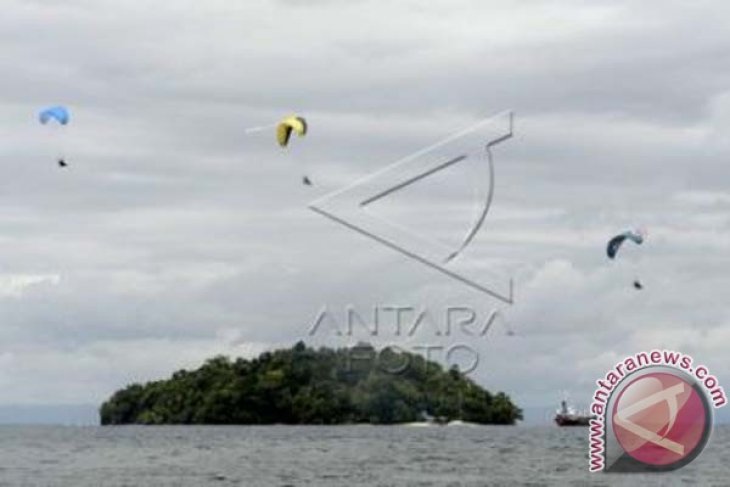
315, 456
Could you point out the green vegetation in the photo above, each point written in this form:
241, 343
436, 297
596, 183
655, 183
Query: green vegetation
306, 386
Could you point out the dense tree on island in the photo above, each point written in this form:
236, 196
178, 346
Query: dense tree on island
302, 385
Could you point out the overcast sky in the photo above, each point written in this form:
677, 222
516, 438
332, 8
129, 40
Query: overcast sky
174, 235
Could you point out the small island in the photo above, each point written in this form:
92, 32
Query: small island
303, 385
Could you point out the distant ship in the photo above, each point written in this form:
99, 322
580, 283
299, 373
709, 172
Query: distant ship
567, 416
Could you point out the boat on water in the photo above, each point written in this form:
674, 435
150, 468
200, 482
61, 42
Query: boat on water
463, 424
429, 420
454, 423
567, 416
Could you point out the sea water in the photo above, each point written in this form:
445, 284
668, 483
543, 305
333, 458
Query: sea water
316, 456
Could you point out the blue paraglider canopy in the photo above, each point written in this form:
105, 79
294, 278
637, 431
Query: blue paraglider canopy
57, 113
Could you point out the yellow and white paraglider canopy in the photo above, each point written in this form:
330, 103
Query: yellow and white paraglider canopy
290, 124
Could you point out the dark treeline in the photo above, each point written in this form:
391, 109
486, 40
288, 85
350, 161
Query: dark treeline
306, 386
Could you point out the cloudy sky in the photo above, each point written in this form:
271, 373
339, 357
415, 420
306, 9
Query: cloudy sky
174, 235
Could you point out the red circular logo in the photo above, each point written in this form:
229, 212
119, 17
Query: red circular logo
661, 420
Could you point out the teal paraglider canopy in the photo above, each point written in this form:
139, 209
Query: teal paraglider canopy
615, 243
58, 113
